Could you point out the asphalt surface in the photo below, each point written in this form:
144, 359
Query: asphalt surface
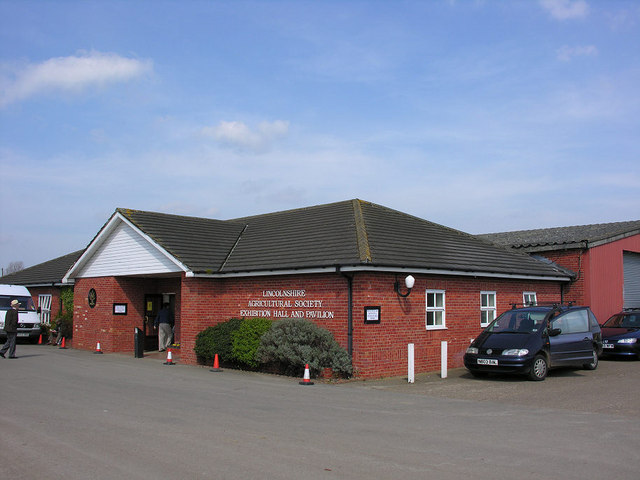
76, 415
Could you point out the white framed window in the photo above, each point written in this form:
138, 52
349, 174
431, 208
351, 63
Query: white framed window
487, 308
44, 302
529, 299
435, 310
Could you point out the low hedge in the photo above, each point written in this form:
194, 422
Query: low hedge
217, 339
284, 346
246, 340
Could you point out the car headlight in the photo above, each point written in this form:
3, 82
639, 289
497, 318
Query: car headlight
516, 352
628, 340
472, 350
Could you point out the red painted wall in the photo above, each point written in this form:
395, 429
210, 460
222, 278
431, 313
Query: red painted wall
600, 275
606, 273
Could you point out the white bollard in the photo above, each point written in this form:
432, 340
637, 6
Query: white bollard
443, 359
411, 364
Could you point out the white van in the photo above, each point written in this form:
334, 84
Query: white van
28, 319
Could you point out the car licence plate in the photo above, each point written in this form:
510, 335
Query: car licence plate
22, 334
607, 345
487, 361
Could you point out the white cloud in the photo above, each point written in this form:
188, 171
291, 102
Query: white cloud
566, 53
70, 74
565, 9
240, 135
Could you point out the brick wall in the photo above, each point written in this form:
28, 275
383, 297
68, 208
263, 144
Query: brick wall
207, 302
98, 324
576, 260
378, 349
56, 305
381, 349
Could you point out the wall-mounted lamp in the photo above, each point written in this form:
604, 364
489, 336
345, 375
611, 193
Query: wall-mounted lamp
408, 282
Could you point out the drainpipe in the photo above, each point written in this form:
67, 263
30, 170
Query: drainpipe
350, 311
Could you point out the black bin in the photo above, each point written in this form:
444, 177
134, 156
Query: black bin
138, 343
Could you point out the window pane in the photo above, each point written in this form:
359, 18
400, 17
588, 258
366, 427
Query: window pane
575, 322
430, 318
431, 299
439, 300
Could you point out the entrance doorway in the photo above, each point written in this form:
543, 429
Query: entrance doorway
152, 305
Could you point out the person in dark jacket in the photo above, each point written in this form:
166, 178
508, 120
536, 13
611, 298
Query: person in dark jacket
164, 321
11, 327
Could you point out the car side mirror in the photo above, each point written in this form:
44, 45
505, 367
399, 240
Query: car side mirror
554, 332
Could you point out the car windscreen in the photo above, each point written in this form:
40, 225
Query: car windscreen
26, 303
518, 321
624, 320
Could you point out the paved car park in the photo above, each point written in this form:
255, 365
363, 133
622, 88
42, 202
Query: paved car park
613, 388
75, 415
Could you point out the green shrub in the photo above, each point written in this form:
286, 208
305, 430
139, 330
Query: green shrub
204, 347
294, 342
216, 339
246, 340
63, 321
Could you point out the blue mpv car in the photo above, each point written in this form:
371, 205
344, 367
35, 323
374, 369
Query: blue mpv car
532, 340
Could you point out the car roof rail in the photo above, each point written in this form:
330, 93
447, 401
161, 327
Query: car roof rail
543, 304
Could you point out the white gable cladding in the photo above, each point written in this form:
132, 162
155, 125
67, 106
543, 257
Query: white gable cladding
126, 252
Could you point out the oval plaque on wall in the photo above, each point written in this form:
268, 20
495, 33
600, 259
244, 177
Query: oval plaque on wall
92, 297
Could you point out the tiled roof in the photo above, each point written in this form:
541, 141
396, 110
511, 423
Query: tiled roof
50, 272
352, 233
579, 236
200, 243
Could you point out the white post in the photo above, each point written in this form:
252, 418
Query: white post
443, 359
411, 365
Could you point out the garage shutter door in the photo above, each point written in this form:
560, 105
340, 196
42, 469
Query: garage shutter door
631, 262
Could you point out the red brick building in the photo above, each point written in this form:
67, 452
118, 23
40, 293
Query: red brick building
605, 257
341, 265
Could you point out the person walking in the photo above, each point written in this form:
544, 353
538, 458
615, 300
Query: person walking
11, 327
164, 322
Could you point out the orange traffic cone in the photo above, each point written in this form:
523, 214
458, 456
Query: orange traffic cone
169, 358
216, 365
98, 349
40, 340
306, 380
62, 345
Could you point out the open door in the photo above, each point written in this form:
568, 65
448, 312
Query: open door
152, 305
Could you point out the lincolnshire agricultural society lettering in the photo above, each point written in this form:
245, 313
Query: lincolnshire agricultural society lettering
295, 307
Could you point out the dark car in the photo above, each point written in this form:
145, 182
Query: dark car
532, 340
621, 334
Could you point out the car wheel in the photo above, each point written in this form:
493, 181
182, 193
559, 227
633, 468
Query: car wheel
539, 368
594, 363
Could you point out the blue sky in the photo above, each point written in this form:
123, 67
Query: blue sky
483, 116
